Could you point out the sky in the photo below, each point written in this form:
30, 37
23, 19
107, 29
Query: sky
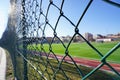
4, 10
101, 17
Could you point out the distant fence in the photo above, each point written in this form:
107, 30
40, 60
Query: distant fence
35, 20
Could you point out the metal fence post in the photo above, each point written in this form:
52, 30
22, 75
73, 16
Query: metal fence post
25, 55
24, 40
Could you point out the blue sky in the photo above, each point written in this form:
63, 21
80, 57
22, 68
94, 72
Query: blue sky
4, 9
101, 18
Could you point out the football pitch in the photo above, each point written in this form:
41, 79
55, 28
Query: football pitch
82, 50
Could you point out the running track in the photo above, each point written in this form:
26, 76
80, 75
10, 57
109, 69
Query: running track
83, 61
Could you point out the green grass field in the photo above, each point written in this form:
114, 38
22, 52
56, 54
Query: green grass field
82, 50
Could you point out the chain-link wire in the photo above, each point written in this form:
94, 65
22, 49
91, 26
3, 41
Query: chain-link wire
36, 57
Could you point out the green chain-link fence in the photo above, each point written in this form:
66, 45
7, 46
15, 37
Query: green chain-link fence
36, 58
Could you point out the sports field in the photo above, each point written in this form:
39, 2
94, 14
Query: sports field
82, 50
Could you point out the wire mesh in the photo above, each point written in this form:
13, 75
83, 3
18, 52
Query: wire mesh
36, 57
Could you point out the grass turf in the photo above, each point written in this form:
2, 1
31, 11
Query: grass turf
81, 50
